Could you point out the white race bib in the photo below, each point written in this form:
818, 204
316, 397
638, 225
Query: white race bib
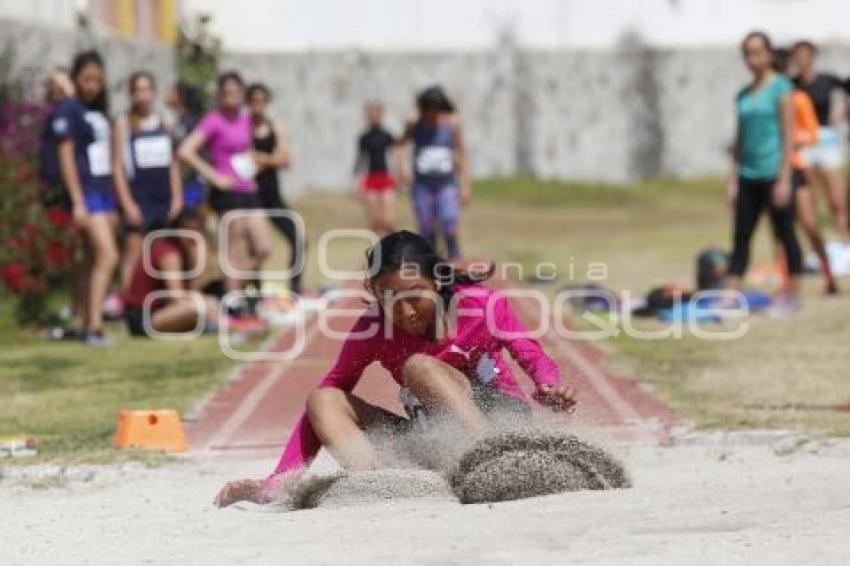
153, 152
100, 162
437, 159
244, 166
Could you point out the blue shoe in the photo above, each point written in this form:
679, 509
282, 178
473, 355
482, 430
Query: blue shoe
98, 340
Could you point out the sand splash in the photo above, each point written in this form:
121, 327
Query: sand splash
511, 464
516, 465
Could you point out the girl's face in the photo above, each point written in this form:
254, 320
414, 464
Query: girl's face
430, 116
142, 95
757, 55
803, 58
59, 86
407, 299
173, 100
89, 82
231, 96
374, 114
258, 103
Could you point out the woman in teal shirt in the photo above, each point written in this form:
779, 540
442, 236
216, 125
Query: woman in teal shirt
761, 176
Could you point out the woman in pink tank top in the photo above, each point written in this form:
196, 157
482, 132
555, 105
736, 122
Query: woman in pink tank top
227, 134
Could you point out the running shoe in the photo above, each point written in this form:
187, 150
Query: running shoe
98, 340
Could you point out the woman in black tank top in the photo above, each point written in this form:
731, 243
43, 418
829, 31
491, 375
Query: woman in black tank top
272, 153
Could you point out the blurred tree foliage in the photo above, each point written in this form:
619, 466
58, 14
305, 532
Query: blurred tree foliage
198, 52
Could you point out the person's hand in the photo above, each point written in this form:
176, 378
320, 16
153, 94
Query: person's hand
242, 490
176, 207
261, 159
133, 215
80, 214
557, 398
782, 192
222, 182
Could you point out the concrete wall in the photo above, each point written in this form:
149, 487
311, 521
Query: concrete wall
38, 49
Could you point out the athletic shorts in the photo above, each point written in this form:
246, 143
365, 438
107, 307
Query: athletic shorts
828, 153
490, 400
154, 217
223, 202
378, 182
194, 193
97, 202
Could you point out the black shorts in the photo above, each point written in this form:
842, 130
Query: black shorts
491, 401
154, 217
223, 202
134, 318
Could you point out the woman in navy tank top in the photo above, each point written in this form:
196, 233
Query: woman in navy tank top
149, 181
440, 181
82, 130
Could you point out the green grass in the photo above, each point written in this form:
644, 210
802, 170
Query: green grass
527, 191
69, 396
782, 373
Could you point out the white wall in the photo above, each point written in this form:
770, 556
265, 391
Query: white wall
54, 13
273, 25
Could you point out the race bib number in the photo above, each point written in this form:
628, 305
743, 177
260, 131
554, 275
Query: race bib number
153, 152
431, 160
100, 162
244, 166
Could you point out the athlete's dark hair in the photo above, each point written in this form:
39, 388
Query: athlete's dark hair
228, 76
82, 60
132, 84
434, 98
757, 34
190, 97
139, 75
781, 60
805, 44
399, 249
254, 88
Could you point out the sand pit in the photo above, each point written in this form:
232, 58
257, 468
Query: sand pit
516, 465
358, 488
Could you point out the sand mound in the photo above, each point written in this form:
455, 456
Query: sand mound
357, 488
515, 465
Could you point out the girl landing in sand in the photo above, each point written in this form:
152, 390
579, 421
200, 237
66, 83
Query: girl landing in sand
447, 360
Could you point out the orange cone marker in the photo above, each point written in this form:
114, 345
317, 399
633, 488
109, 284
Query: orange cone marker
153, 430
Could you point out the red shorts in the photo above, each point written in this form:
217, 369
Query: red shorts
378, 182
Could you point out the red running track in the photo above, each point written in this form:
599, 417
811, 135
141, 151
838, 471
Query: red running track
263, 400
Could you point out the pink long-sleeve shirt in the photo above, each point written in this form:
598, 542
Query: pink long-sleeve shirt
485, 325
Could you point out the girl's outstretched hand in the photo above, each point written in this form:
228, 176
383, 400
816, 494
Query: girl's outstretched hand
242, 490
560, 399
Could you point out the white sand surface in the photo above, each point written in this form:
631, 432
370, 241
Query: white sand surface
710, 499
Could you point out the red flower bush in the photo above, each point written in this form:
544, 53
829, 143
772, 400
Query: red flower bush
35, 243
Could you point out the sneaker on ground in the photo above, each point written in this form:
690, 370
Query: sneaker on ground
98, 340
